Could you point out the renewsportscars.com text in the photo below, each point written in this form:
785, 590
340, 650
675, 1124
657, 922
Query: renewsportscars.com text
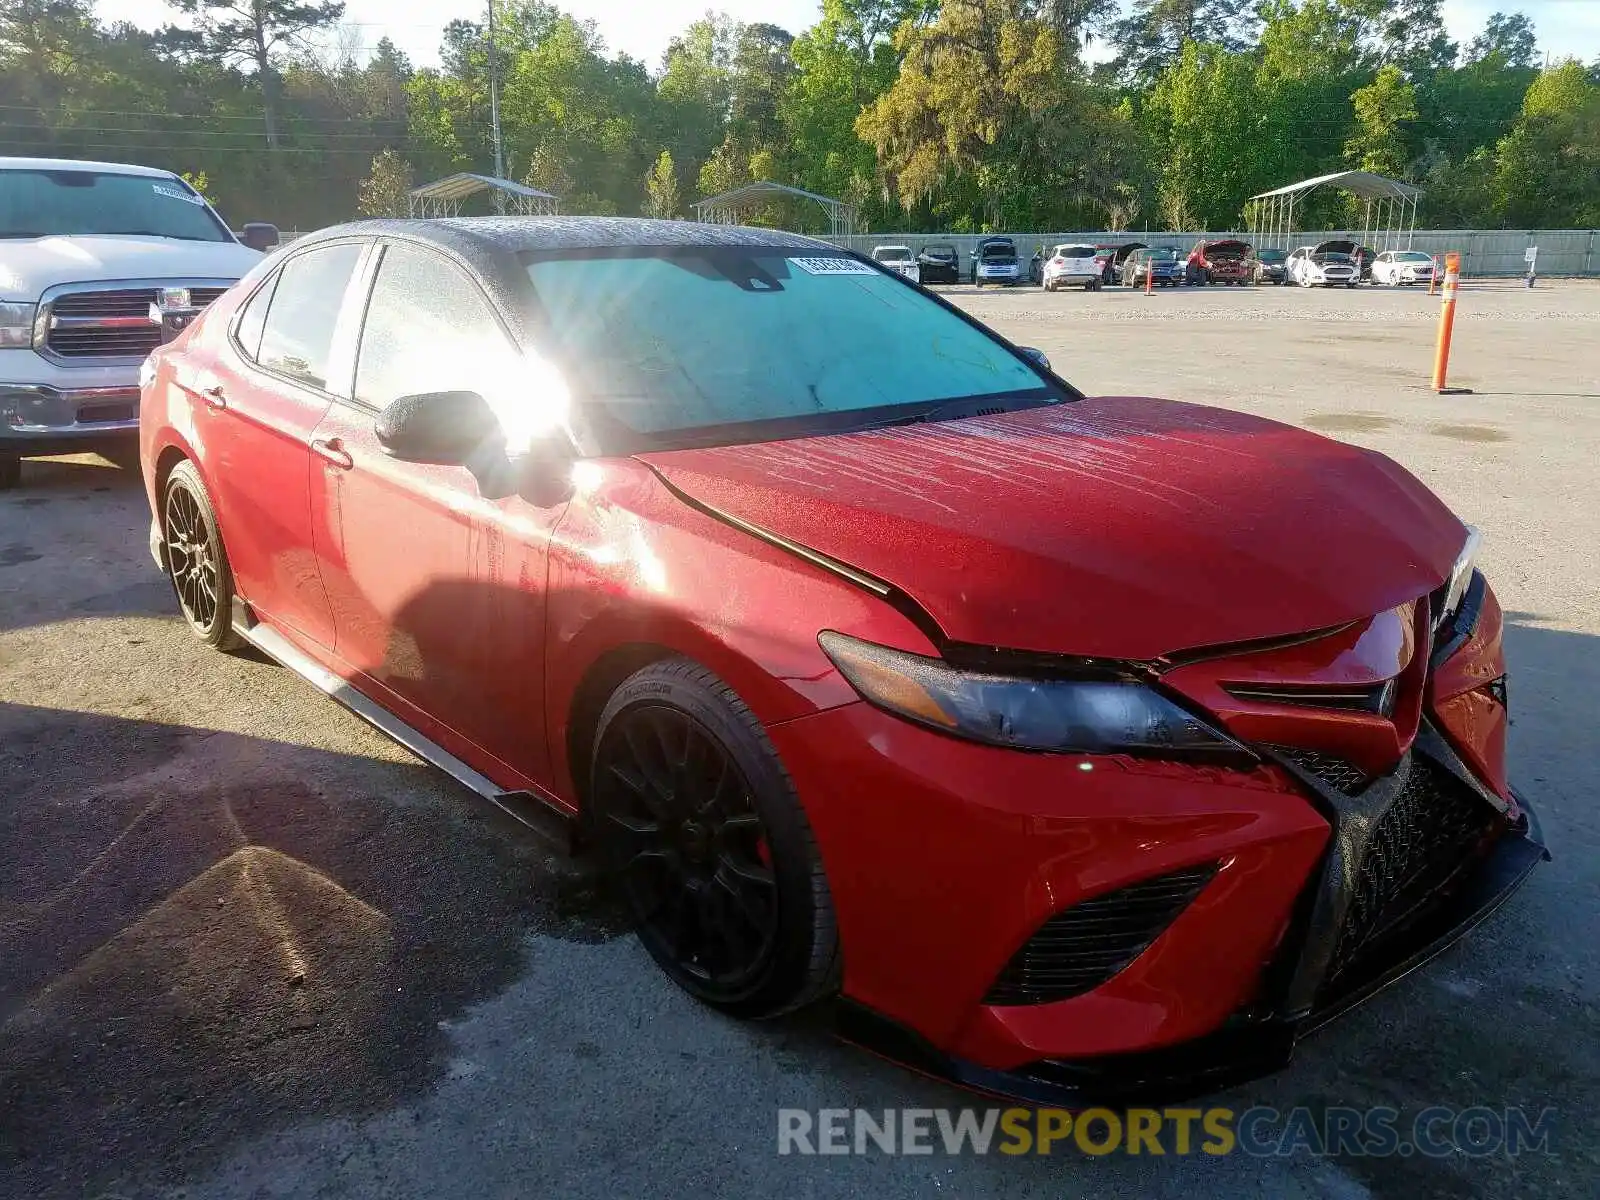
1261, 1132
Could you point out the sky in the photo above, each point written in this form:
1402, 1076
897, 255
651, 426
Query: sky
642, 28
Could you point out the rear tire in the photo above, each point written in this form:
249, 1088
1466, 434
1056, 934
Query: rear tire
699, 824
197, 563
10, 471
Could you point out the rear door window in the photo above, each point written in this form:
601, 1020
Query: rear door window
297, 336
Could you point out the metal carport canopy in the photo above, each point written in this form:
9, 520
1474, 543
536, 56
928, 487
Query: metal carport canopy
443, 197
1360, 183
1389, 214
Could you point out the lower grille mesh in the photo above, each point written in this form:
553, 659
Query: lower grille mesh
1430, 832
1335, 772
1077, 950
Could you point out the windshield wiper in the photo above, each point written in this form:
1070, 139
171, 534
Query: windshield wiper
176, 237
947, 410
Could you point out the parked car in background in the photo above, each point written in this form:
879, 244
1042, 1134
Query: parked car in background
1271, 266
1225, 261
99, 264
898, 259
1394, 268
1311, 266
1361, 256
1076, 746
1111, 256
940, 263
1071, 266
1163, 265
995, 261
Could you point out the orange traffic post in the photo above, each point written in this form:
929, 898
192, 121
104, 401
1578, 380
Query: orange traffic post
1447, 323
1433, 277
1150, 278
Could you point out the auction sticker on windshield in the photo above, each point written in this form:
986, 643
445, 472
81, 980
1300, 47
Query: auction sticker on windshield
166, 189
832, 266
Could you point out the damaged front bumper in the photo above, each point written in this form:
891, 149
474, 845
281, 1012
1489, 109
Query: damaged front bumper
1296, 999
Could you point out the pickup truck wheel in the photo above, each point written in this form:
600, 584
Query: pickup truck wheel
197, 564
10, 471
699, 825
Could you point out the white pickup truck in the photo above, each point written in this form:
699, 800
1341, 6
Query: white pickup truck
99, 264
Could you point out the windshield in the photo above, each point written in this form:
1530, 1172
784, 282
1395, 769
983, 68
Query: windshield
892, 254
35, 203
1163, 254
1075, 251
1412, 256
939, 252
1273, 256
1001, 253
1333, 256
703, 346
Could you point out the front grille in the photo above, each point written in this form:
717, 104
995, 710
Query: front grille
1336, 772
1079, 949
1433, 829
90, 340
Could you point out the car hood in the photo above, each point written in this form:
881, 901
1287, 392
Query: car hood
1227, 250
28, 266
1120, 527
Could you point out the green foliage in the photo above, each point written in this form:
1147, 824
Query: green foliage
661, 196
957, 114
1384, 108
384, 191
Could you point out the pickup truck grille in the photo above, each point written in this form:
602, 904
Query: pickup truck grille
110, 324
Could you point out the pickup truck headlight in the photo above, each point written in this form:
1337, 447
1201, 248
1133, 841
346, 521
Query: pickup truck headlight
16, 325
1066, 715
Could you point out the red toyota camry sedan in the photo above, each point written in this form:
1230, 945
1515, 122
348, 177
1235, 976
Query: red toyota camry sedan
1081, 746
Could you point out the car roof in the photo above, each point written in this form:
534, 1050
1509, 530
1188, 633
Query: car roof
514, 234
892, 246
76, 164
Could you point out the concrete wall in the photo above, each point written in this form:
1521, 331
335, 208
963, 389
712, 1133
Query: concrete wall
1483, 251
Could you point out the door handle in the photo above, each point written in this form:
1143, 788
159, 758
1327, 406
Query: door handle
332, 450
214, 396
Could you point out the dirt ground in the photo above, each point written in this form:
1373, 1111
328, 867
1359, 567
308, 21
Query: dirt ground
249, 948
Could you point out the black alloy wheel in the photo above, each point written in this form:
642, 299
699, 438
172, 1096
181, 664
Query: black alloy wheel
708, 846
196, 563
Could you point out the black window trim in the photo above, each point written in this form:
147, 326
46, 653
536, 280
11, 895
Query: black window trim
271, 277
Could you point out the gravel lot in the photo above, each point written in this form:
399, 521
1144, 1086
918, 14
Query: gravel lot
248, 948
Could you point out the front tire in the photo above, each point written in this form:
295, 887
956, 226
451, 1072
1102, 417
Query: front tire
699, 824
197, 563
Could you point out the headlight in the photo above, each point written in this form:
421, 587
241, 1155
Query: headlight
1460, 576
16, 324
1080, 716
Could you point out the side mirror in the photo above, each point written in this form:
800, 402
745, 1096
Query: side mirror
449, 428
1038, 356
259, 235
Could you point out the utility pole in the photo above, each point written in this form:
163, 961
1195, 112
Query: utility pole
494, 99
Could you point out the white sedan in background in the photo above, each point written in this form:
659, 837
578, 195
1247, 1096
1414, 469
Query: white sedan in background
1071, 266
1310, 267
900, 260
1395, 267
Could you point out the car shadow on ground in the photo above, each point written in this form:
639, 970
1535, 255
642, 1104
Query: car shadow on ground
233, 935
